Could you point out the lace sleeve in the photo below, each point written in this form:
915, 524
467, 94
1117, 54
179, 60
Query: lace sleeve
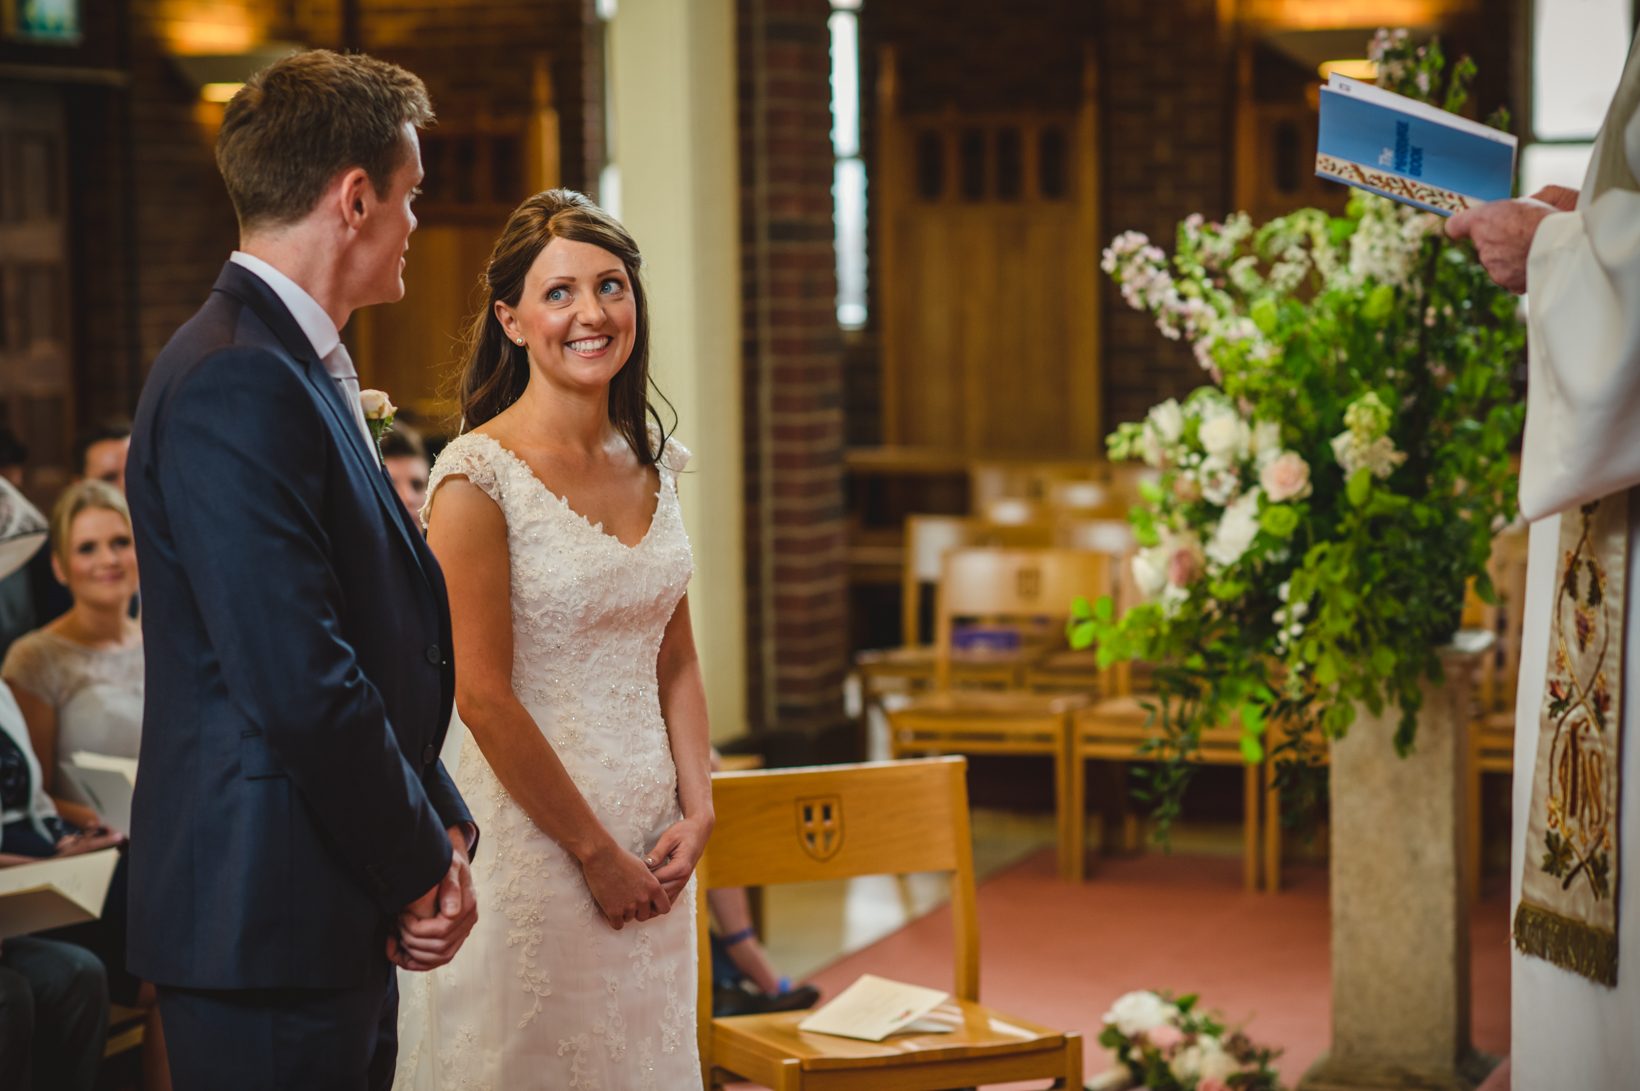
465, 456
31, 665
675, 456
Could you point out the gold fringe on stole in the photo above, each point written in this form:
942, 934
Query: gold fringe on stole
1571, 945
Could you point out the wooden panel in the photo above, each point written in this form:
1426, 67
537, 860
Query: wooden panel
987, 266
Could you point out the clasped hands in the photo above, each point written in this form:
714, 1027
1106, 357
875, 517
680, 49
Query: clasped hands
432, 928
630, 888
1503, 231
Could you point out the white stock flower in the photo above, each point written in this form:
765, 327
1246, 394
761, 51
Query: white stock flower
1168, 420
1285, 477
1219, 481
1224, 435
1150, 574
1205, 1060
1379, 455
1236, 530
1266, 440
1137, 1012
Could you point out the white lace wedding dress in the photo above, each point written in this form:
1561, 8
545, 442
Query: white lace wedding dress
545, 994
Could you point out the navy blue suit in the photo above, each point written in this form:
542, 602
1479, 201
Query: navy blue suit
299, 675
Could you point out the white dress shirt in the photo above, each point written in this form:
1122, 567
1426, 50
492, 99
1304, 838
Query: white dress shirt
321, 333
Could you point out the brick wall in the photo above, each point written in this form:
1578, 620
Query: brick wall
796, 564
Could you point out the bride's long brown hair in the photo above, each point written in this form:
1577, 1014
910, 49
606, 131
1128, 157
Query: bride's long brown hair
496, 371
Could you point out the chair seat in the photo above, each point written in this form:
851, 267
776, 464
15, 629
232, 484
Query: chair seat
1107, 728
755, 1046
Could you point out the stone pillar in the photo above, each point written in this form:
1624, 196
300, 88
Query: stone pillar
674, 101
1400, 901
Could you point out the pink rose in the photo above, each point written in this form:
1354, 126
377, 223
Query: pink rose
1183, 567
1165, 1036
1286, 477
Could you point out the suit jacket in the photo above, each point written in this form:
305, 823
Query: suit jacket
299, 675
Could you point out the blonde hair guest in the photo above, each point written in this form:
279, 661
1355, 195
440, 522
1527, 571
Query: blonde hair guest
79, 679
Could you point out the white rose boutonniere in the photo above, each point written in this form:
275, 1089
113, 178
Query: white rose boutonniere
379, 412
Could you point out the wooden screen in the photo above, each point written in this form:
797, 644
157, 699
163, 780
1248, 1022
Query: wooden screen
987, 256
36, 388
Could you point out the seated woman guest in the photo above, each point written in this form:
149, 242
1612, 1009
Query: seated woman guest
79, 680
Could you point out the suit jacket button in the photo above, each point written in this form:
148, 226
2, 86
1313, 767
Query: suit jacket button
433, 654
428, 754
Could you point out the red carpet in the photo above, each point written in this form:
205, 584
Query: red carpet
1059, 954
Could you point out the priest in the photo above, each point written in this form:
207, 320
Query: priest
1575, 868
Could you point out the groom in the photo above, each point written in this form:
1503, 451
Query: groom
293, 831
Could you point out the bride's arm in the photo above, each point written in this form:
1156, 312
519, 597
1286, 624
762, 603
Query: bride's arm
683, 707
468, 534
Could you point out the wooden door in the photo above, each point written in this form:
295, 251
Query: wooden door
988, 249
36, 372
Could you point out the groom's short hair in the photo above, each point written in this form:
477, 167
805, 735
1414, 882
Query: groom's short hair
303, 120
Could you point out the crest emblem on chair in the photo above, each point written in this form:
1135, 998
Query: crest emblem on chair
1030, 583
820, 826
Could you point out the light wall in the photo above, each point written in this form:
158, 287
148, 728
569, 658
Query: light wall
673, 79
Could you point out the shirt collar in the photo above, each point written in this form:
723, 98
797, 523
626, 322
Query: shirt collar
316, 324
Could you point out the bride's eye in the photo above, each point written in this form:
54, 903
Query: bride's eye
557, 295
611, 286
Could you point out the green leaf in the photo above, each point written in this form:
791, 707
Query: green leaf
1383, 659
1150, 492
1081, 636
1360, 487
1104, 609
1265, 314
1379, 302
1251, 751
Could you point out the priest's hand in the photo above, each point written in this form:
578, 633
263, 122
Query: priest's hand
1503, 231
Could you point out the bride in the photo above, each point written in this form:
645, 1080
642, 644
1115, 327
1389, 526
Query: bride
556, 521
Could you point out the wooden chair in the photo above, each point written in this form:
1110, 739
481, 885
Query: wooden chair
839, 822
1014, 583
910, 667
1114, 730
1492, 733
1274, 734
1070, 671
1026, 480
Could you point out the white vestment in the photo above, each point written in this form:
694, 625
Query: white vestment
1583, 443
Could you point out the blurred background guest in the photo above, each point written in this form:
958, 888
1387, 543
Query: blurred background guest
99, 455
79, 680
406, 460
17, 613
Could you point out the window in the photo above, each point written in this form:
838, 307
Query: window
849, 179
1578, 51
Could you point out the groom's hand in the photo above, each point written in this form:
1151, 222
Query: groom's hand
434, 926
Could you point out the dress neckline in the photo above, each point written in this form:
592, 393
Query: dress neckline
596, 528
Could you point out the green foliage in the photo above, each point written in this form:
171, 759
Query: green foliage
1377, 352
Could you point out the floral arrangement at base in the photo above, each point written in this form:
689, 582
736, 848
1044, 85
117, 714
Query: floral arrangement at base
1324, 502
1168, 1045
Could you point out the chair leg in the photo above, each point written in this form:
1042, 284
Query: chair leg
1272, 830
1066, 800
1249, 826
1073, 828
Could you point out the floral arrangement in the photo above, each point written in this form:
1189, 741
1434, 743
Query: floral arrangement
1323, 504
1167, 1045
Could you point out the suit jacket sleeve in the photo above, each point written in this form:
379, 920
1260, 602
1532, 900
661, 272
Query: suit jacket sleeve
243, 472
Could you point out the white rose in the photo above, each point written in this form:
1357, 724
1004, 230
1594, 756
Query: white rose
1266, 440
1150, 570
1226, 436
1286, 477
1236, 530
1137, 1012
375, 404
1168, 420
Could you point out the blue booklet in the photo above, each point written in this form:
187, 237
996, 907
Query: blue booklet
1409, 150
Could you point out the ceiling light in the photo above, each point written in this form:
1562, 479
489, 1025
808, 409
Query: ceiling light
219, 92
1355, 70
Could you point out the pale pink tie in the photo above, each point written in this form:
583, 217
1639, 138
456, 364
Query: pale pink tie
340, 366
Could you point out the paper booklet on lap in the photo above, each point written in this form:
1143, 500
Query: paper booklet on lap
874, 1007
53, 893
102, 782
1410, 151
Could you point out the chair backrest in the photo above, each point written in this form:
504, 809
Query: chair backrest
1501, 669
1016, 583
1034, 481
840, 822
1125, 478
928, 538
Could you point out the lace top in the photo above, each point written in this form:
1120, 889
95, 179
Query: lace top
97, 693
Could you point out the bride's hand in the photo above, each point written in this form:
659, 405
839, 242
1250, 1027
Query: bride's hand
677, 852
623, 886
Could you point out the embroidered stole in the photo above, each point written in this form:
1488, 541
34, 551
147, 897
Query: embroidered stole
1568, 909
